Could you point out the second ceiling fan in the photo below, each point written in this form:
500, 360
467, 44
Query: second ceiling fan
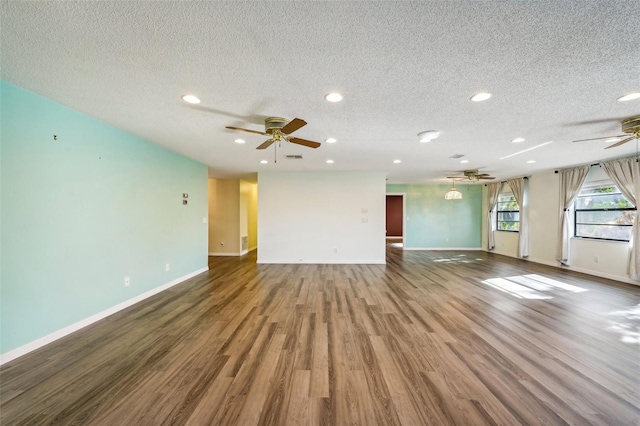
630, 126
279, 130
472, 176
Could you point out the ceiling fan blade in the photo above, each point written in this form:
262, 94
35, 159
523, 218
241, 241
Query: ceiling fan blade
621, 142
595, 139
485, 177
310, 144
246, 130
293, 125
455, 177
266, 144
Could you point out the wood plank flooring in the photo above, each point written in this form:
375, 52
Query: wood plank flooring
431, 338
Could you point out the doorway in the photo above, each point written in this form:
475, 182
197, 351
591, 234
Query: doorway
395, 219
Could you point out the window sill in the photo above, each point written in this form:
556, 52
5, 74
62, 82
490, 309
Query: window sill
599, 240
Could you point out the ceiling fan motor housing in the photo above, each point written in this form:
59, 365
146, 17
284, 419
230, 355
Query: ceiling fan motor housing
632, 125
272, 124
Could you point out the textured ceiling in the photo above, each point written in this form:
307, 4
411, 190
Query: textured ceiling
555, 69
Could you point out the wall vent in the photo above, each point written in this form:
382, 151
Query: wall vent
294, 157
245, 243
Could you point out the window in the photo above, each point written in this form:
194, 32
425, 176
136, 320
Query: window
603, 213
508, 217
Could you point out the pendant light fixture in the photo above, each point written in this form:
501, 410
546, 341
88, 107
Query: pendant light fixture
453, 193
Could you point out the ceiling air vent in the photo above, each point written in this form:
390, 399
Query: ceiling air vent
457, 156
294, 157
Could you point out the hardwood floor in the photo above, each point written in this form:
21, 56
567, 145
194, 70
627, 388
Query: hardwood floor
432, 338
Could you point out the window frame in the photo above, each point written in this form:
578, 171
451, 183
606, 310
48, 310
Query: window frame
576, 210
498, 211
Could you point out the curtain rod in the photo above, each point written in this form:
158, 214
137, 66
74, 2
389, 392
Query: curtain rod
590, 165
523, 177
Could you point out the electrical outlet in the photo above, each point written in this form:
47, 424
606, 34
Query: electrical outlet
167, 267
446, 240
596, 259
221, 243
127, 281
335, 250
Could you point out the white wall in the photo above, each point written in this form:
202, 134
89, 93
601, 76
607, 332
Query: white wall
612, 256
306, 217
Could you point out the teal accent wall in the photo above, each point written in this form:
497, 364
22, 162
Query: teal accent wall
80, 213
432, 219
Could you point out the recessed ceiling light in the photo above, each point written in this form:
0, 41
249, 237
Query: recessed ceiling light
464, 161
329, 161
397, 161
239, 141
612, 140
517, 140
526, 150
263, 161
191, 99
479, 97
331, 140
531, 161
428, 135
333, 97
629, 97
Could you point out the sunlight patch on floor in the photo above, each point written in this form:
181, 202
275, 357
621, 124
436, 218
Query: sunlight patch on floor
459, 258
556, 283
530, 286
627, 323
514, 289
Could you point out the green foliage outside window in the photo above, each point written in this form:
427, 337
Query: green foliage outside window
603, 212
508, 217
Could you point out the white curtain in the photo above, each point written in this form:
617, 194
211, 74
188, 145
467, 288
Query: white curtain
570, 182
493, 190
625, 173
518, 189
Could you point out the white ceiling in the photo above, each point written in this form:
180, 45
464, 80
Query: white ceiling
555, 69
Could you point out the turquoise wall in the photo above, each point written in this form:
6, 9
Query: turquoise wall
79, 214
432, 219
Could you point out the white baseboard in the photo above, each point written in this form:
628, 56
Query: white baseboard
38, 343
556, 264
544, 262
444, 248
600, 274
242, 253
323, 262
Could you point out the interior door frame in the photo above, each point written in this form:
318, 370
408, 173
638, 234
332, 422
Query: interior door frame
404, 214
